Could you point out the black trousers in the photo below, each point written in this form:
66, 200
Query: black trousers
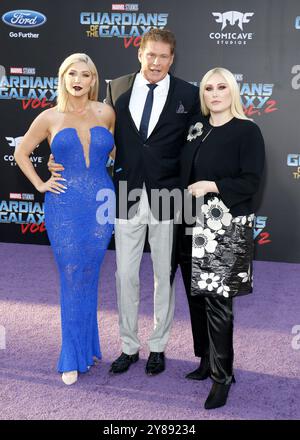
211, 319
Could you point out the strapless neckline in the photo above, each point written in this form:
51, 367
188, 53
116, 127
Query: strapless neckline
79, 140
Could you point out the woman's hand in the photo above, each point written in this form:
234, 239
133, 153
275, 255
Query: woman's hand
201, 188
54, 167
52, 185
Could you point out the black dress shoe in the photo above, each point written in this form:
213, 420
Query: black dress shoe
202, 372
155, 363
218, 395
123, 362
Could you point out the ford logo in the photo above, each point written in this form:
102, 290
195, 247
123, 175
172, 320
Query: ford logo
23, 18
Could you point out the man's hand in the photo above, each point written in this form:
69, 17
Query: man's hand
53, 167
201, 188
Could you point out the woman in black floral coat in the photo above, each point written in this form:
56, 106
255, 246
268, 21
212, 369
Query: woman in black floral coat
222, 164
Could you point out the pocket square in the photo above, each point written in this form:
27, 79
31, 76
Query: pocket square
180, 108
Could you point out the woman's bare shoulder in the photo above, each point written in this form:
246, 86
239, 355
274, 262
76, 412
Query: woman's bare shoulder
102, 108
50, 116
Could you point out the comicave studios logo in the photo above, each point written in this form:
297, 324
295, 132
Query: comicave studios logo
232, 30
8, 157
25, 19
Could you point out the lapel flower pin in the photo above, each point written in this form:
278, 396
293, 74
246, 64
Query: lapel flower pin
195, 131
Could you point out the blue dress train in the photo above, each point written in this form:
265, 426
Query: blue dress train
79, 240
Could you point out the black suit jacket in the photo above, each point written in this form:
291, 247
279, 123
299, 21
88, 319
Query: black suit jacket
154, 162
233, 158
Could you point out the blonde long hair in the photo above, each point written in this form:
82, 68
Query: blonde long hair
62, 93
236, 104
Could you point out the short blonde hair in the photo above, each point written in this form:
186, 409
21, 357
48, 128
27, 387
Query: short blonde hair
62, 94
236, 103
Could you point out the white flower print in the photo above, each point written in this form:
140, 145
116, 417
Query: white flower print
209, 281
243, 219
245, 275
251, 219
195, 131
224, 290
203, 240
217, 213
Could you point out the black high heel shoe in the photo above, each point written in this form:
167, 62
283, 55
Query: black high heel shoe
202, 372
218, 395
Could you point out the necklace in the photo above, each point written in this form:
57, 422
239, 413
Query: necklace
207, 134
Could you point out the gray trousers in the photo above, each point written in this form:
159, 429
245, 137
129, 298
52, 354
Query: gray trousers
130, 239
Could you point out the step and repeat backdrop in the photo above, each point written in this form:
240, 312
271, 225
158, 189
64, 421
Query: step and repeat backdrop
258, 40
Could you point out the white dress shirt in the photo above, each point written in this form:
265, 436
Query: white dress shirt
138, 98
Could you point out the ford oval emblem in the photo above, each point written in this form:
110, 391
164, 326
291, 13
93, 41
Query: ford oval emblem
23, 18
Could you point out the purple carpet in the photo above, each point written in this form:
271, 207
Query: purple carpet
267, 367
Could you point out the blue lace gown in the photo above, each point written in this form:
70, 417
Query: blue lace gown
79, 238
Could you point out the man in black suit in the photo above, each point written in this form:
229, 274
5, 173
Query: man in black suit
153, 113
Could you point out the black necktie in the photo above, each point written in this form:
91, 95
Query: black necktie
147, 112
